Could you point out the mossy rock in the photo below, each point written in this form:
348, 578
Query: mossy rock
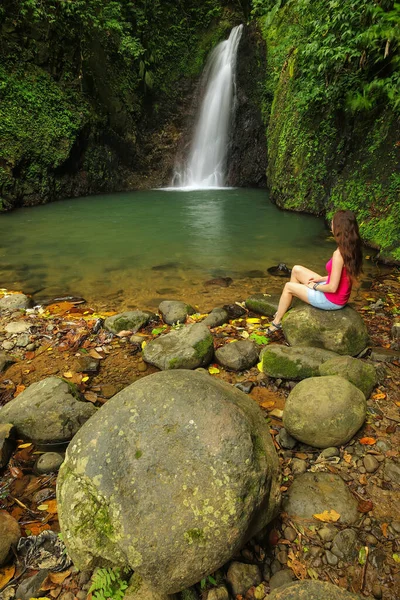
206, 481
293, 363
358, 372
263, 304
324, 411
342, 331
174, 311
131, 320
312, 590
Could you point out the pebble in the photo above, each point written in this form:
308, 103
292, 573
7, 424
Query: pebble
141, 367
290, 534
286, 440
245, 386
23, 341
30, 347
136, 339
275, 566
49, 462
383, 445
217, 593
377, 591
282, 557
396, 526
371, 539
327, 533
315, 551
281, 578
8, 345
329, 452
299, 466
331, 559
370, 463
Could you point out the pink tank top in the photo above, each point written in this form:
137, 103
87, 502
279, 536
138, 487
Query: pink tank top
342, 294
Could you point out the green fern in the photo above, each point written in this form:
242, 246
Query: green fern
108, 584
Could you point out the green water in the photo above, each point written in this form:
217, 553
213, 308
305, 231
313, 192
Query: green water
140, 246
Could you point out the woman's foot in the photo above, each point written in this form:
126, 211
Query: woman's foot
273, 328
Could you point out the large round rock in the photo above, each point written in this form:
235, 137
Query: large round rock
171, 477
312, 590
342, 331
324, 411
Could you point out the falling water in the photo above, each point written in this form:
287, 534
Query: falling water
205, 167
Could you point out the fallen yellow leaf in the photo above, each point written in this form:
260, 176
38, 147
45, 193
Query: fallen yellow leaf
328, 516
6, 574
213, 370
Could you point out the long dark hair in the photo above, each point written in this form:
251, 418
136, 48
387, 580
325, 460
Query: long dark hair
347, 236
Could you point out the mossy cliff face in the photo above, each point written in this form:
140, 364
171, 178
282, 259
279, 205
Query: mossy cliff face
333, 125
92, 97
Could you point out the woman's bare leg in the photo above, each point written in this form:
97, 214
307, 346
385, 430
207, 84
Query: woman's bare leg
303, 275
291, 289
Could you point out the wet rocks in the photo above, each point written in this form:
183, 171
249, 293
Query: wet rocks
127, 321
200, 473
9, 535
15, 302
174, 311
312, 493
217, 317
186, 348
237, 356
342, 331
241, 577
293, 362
263, 304
219, 281
324, 411
6, 442
370, 463
311, 590
359, 373
47, 411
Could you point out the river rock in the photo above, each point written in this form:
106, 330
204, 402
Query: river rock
392, 472
217, 593
237, 356
47, 411
217, 317
324, 411
131, 320
5, 361
179, 457
9, 535
140, 590
359, 373
312, 493
281, 578
186, 348
293, 363
17, 327
344, 544
384, 355
312, 590
342, 331
15, 302
263, 304
173, 311
49, 462
6, 442
241, 577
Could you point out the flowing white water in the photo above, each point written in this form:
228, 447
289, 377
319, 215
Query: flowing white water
205, 167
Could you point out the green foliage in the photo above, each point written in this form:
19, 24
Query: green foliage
108, 584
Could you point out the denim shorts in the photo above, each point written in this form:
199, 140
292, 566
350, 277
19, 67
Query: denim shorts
319, 300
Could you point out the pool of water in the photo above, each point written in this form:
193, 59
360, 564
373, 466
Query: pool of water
137, 248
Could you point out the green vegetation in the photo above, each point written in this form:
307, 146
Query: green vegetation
108, 584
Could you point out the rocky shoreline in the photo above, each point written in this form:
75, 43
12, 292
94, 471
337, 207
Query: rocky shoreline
339, 522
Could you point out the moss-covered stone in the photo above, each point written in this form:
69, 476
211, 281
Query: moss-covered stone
293, 363
263, 304
358, 372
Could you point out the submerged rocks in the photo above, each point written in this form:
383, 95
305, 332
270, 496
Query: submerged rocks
311, 590
342, 331
174, 311
47, 411
171, 476
324, 411
359, 373
237, 356
293, 363
312, 493
131, 320
186, 348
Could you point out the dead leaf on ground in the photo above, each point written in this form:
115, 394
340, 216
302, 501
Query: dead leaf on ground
365, 506
6, 574
297, 567
328, 516
54, 579
367, 441
91, 397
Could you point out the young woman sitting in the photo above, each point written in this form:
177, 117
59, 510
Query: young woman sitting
331, 292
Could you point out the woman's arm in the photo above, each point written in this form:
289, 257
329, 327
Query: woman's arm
319, 280
337, 266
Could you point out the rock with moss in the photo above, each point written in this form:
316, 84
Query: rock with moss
131, 320
141, 590
237, 356
324, 411
359, 373
50, 410
170, 478
174, 311
293, 362
342, 331
263, 304
312, 590
187, 348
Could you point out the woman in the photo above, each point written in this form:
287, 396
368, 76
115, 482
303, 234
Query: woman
333, 291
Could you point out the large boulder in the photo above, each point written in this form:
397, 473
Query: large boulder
263, 304
170, 477
292, 362
237, 356
131, 320
187, 348
313, 493
312, 590
47, 411
361, 374
324, 411
342, 331
174, 311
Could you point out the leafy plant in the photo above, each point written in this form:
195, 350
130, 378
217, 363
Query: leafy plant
108, 584
207, 580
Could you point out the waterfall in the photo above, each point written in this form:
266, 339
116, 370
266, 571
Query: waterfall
205, 167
